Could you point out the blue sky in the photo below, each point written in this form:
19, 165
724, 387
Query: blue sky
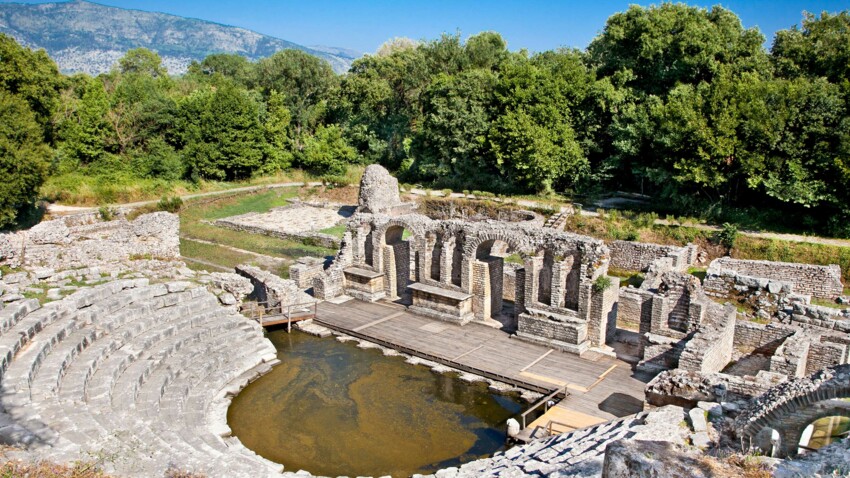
533, 24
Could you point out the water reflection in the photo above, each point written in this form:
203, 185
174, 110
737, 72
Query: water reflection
334, 409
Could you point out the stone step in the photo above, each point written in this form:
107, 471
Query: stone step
80, 339
12, 313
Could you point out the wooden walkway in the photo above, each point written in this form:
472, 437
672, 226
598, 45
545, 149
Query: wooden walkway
599, 386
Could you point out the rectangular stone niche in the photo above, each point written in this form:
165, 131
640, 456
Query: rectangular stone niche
441, 304
364, 284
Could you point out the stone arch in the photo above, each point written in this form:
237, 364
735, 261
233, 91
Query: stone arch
395, 256
791, 406
471, 246
483, 274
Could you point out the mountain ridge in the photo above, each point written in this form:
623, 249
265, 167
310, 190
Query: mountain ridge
83, 36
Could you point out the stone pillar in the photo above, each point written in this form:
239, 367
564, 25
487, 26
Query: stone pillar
532, 274
390, 272
402, 253
446, 259
558, 285
359, 243
496, 266
519, 294
602, 322
481, 294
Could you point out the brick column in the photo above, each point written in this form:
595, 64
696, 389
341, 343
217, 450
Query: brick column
481, 293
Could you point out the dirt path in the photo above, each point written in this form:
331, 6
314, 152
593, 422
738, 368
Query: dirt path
61, 209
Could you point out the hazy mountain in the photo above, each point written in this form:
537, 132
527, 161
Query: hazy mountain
87, 37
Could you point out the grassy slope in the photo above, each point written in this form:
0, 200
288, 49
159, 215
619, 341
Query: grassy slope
192, 226
620, 227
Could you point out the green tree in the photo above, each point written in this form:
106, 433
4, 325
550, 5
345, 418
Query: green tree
23, 157
305, 81
820, 48
277, 130
452, 140
798, 142
85, 131
223, 65
222, 136
33, 76
658, 47
141, 61
327, 153
486, 50
533, 140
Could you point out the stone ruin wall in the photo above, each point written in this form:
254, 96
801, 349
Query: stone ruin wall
818, 281
444, 254
271, 289
686, 388
710, 349
305, 270
639, 256
234, 223
634, 310
761, 338
84, 241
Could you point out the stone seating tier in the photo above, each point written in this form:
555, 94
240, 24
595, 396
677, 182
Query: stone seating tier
132, 369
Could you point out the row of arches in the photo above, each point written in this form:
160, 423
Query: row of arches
471, 258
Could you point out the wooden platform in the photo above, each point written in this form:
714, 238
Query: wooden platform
600, 386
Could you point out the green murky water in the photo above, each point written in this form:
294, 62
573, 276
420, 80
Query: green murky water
828, 430
334, 409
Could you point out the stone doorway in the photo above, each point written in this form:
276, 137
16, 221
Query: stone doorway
400, 264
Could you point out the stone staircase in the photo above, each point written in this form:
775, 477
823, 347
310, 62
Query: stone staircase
138, 374
556, 221
575, 454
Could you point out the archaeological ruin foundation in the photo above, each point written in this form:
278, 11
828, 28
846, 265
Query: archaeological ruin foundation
109, 344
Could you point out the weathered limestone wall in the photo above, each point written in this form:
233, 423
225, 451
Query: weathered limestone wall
761, 337
825, 354
819, 281
331, 283
305, 270
710, 349
563, 335
634, 310
685, 388
791, 357
76, 242
509, 279
273, 290
638, 256
806, 315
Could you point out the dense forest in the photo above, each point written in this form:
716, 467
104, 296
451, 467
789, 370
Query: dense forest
679, 103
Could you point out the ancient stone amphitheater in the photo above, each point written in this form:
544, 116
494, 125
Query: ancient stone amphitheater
129, 360
137, 371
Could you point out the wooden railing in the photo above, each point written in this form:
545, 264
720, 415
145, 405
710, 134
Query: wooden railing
553, 422
279, 314
545, 401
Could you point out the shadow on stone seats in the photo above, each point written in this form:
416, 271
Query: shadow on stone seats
621, 405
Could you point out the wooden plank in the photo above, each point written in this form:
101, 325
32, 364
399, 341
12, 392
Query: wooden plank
376, 322
492, 353
467, 353
537, 360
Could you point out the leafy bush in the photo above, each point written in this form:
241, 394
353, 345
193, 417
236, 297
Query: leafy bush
727, 235
170, 204
159, 161
107, 213
602, 283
